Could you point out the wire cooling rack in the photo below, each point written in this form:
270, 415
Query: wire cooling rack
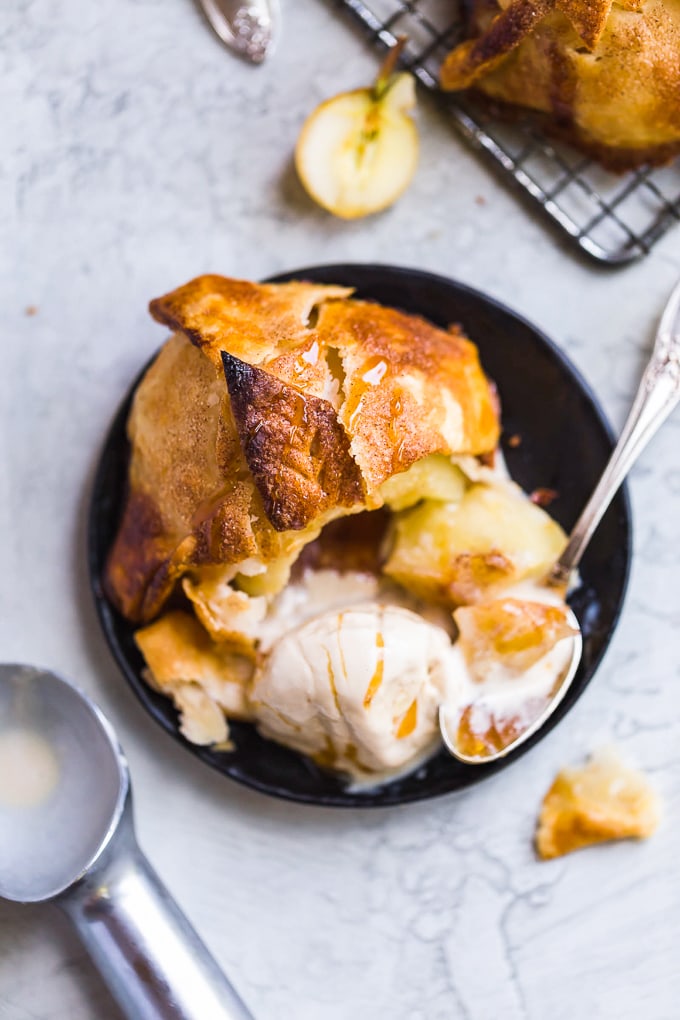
612, 217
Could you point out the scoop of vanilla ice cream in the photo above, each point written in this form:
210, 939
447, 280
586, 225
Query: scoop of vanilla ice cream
357, 690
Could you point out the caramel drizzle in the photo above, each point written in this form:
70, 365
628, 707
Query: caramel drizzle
331, 681
377, 678
408, 722
371, 374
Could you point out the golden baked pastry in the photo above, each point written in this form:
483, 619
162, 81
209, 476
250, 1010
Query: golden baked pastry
272, 410
602, 800
206, 680
604, 75
310, 480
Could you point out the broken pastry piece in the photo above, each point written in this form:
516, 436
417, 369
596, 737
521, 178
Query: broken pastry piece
605, 76
207, 681
603, 800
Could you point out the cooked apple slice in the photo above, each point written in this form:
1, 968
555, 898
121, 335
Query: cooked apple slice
511, 633
459, 553
480, 733
433, 477
358, 151
273, 578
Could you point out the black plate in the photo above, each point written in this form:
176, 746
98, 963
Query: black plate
565, 445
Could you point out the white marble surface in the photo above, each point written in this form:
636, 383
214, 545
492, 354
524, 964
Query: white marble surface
135, 154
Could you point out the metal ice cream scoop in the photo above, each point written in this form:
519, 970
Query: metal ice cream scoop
66, 835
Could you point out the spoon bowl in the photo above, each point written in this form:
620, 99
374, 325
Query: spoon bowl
63, 783
449, 721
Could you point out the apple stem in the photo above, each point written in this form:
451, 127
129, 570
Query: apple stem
386, 73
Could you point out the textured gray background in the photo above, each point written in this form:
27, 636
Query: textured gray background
135, 154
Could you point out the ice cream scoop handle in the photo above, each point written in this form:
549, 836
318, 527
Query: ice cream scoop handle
153, 961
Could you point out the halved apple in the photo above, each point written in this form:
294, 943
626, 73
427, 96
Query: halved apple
358, 151
433, 477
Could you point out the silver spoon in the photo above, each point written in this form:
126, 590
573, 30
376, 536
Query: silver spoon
657, 395
250, 27
66, 836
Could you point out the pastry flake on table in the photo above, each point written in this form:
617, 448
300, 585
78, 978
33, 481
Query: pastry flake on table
602, 800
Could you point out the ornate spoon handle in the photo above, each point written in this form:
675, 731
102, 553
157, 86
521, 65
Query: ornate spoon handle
657, 395
248, 26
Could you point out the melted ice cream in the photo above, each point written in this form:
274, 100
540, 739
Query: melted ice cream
29, 769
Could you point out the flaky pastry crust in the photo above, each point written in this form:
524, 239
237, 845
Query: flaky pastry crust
207, 681
604, 75
600, 801
272, 410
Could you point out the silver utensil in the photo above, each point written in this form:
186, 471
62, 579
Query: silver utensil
657, 396
67, 836
250, 27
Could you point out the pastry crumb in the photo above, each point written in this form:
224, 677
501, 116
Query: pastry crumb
201, 719
544, 497
603, 800
514, 441
31, 310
